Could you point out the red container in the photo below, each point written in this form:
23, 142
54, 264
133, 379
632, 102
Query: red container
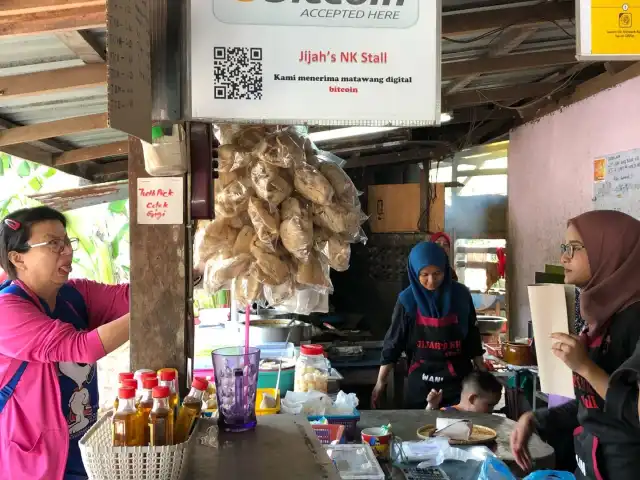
329, 433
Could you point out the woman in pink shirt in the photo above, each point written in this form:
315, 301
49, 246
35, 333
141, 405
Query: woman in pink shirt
52, 332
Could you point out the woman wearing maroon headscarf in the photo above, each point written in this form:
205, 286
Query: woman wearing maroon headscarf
444, 241
601, 255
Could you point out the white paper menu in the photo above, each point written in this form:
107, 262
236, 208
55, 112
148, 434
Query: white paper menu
552, 307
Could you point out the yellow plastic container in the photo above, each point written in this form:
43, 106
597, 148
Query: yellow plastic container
267, 411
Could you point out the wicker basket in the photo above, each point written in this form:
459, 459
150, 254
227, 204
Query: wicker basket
106, 462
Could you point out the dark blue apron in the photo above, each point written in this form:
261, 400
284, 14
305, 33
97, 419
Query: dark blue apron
70, 308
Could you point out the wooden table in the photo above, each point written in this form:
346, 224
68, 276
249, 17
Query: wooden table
405, 423
282, 447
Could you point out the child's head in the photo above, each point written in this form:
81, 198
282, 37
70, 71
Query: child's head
481, 391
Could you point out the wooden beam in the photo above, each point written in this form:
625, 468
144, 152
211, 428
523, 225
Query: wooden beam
91, 153
53, 129
84, 45
508, 63
416, 155
511, 39
506, 43
464, 23
482, 96
53, 21
51, 81
17, 7
29, 152
86, 196
586, 89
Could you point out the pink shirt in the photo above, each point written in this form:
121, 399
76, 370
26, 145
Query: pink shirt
34, 435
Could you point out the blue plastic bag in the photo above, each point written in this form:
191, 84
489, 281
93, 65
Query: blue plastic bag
495, 469
550, 475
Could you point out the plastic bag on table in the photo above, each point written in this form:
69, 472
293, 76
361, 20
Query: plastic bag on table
271, 184
231, 158
495, 469
314, 274
265, 222
296, 229
333, 248
233, 200
218, 273
312, 185
308, 403
344, 404
280, 150
218, 236
273, 266
247, 290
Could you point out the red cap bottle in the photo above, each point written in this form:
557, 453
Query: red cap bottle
161, 392
126, 393
125, 376
149, 383
167, 375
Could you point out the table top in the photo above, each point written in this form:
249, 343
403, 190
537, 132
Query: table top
281, 447
405, 423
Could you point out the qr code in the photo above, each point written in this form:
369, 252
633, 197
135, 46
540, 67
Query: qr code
237, 73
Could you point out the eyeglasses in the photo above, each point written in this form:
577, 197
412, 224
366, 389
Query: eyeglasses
58, 246
569, 249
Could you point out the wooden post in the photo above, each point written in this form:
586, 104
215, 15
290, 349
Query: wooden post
159, 278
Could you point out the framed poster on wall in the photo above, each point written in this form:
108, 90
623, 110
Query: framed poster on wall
317, 62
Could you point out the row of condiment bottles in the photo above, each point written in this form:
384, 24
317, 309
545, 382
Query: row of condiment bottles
154, 417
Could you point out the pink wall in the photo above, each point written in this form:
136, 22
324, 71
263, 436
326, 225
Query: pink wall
551, 177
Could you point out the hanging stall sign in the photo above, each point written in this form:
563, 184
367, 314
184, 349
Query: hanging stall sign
608, 30
322, 62
160, 201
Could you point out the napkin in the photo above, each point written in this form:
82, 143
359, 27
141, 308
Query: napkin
453, 428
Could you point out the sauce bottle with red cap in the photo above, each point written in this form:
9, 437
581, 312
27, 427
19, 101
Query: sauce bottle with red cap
146, 404
168, 379
191, 408
125, 379
127, 427
161, 418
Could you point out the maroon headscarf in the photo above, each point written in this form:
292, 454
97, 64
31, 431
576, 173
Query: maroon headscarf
612, 241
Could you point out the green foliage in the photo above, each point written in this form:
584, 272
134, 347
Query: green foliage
102, 230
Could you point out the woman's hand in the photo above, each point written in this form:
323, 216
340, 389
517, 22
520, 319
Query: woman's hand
434, 399
377, 394
519, 441
571, 350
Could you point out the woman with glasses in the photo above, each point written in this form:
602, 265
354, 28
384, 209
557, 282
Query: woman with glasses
52, 332
601, 256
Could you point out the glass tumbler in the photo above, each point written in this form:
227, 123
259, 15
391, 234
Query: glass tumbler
236, 376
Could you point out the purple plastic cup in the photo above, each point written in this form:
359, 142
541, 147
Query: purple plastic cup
236, 377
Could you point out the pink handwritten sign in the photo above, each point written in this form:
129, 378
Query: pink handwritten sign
160, 200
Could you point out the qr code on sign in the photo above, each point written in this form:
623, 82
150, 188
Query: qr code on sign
237, 73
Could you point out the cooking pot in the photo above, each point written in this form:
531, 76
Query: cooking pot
517, 354
275, 330
490, 324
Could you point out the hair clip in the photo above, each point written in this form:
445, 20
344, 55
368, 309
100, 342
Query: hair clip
12, 224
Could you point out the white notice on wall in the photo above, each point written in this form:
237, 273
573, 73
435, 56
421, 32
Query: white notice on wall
616, 180
160, 200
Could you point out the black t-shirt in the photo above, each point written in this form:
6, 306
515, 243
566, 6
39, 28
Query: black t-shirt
613, 421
